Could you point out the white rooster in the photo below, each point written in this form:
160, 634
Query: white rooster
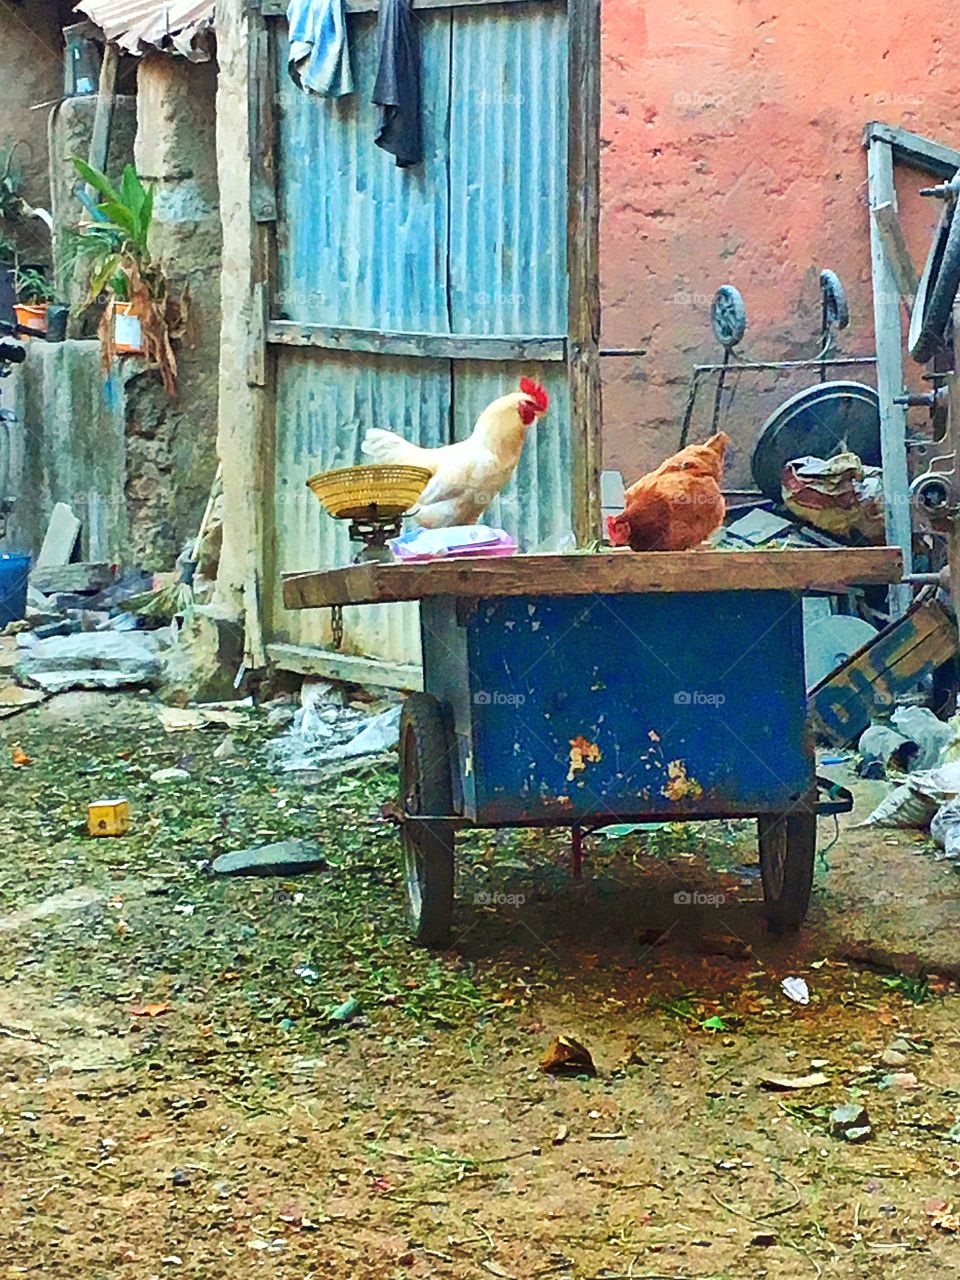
468, 475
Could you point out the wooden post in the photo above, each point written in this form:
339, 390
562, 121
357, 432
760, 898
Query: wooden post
583, 262
953, 442
889, 340
103, 113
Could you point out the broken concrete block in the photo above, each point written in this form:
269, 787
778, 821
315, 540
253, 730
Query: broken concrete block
284, 858
14, 698
91, 660
55, 578
60, 539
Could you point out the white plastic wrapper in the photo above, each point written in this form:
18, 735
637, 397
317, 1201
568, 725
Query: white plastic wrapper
945, 829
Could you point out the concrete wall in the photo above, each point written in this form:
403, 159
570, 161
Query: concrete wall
732, 154
67, 445
172, 445
31, 46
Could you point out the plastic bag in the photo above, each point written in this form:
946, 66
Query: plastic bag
915, 803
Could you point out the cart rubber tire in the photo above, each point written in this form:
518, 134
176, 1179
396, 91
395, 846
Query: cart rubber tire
833, 298
427, 788
788, 846
937, 289
728, 316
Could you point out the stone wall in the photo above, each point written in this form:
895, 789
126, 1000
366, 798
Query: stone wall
172, 445
68, 444
33, 73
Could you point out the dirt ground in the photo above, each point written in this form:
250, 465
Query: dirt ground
175, 1099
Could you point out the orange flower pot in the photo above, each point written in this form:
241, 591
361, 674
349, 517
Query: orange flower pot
32, 317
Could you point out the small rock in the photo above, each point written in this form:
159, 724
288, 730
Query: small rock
170, 775
851, 1117
180, 1179
859, 1133
904, 1080
893, 1058
279, 717
285, 857
226, 750
763, 1239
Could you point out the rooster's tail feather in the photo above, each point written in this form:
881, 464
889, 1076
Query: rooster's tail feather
387, 447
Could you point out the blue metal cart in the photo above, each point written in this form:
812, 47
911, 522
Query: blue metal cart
586, 690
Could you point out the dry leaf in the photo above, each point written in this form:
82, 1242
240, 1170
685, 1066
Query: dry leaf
19, 756
567, 1056
150, 1010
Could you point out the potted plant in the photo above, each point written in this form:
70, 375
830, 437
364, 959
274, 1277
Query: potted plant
139, 313
34, 295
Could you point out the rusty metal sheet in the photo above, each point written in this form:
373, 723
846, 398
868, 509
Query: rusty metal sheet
137, 25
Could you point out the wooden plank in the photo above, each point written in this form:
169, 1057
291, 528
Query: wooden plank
348, 667
583, 262
437, 346
914, 150
892, 664
606, 573
263, 91
889, 341
278, 8
257, 354
103, 114
898, 255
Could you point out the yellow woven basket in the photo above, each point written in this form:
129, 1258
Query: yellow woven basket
357, 493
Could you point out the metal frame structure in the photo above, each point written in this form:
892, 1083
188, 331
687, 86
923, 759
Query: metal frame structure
894, 284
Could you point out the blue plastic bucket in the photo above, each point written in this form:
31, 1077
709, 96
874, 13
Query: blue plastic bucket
13, 587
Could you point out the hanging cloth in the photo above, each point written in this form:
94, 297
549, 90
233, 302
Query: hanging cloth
319, 59
397, 90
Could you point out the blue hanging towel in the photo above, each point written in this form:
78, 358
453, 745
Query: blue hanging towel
319, 59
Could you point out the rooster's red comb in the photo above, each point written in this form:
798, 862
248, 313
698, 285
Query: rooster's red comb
536, 393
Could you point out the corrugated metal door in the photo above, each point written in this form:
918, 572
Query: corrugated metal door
391, 283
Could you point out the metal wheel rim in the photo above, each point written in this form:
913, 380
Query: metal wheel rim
777, 860
412, 861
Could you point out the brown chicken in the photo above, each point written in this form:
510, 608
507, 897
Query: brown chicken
677, 506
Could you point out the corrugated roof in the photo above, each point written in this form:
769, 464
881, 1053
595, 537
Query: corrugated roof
138, 25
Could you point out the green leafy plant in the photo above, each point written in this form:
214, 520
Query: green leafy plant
32, 286
115, 244
11, 183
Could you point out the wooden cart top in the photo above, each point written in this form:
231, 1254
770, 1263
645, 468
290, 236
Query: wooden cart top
606, 573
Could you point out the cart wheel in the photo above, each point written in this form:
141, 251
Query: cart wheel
728, 315
788, 843
937, 289
426, 787
836, 311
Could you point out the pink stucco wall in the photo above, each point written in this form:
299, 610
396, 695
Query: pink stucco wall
732, 154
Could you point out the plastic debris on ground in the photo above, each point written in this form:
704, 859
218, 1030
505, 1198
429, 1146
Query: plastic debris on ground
208, 715
915, 802
324, 731
932, 736
796, 989
945, 829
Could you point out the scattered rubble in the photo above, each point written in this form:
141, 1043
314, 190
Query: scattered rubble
91, 660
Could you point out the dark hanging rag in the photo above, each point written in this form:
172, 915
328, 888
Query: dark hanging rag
397, 91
